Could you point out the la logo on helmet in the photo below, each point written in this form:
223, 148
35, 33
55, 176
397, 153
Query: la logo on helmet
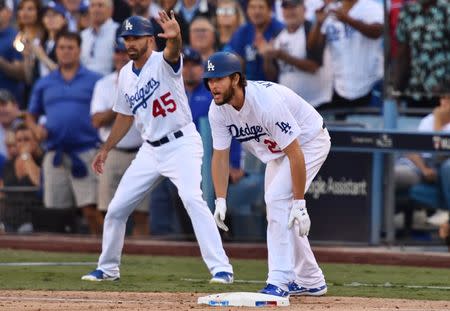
128, 25
210, 66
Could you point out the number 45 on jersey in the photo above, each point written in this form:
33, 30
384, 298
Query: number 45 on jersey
164, 105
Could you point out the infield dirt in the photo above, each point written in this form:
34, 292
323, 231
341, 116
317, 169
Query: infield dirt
76, 300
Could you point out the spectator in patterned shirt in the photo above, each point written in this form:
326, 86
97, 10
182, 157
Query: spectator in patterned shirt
423, 68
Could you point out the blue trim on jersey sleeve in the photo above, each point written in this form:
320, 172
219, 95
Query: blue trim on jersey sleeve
175, 66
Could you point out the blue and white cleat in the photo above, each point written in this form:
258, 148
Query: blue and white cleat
222, 278
98, 276
295, 289
274, 290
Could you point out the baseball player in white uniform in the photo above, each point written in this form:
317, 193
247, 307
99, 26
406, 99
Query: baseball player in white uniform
284, 131
151, 91
353, 30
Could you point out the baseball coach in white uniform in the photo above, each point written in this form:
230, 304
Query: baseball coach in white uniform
284, 131
151, 91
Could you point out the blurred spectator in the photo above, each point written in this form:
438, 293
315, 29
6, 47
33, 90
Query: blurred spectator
426, 167
73, 13
9, 117
145, 8
311, 6
289, 60
97, 41
29, 39
64, 97
122, 10
10, 142
125, 151
253, 36
84, 18
190, 9
423, 67
394, 11
54, 21
24, 170
11, 66
202, 36
352, 29
229, 18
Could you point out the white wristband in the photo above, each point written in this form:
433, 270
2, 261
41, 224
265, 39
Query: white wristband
220, 200
299, 203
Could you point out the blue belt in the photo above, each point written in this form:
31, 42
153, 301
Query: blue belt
165, 139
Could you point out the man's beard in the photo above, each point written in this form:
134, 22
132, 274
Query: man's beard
227, 96
136, 55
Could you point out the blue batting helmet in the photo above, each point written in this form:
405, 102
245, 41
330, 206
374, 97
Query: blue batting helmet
221, 64
136, 26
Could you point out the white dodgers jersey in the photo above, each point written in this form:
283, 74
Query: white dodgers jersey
156, 98
357, 60
270, 119
316, 88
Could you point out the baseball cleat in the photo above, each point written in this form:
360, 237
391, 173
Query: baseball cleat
222, 278
295, 289
274, 290
98, 276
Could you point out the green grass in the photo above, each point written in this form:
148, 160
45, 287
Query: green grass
159, 274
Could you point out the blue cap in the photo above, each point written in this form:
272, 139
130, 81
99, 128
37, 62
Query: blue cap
189, 54
84, 6
222, 64
136, 26
119, 45
58, 8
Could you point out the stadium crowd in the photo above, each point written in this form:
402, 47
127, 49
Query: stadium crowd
59, 62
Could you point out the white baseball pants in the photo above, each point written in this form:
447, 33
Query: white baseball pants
290, 256
180, 160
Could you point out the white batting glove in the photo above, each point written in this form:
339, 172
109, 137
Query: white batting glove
300, 214
219, 213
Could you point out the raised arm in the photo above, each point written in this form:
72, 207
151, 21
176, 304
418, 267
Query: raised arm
316, 38
370, 30
172, 34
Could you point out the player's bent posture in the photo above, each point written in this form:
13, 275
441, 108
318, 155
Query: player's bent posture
287, 133
150, 90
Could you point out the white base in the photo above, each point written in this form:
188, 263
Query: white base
244, 299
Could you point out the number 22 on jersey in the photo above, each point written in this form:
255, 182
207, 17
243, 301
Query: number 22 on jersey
164, 105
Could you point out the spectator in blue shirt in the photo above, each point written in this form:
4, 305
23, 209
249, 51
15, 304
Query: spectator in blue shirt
252, 36
11, 64
64, 97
